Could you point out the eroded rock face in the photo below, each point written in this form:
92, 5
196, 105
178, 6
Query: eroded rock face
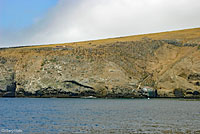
114, 69
7, 77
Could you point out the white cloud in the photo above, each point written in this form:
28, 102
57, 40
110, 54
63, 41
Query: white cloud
80, 20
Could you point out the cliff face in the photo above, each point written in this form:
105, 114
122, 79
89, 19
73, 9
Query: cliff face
168, 63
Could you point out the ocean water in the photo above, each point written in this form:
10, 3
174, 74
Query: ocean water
65, 115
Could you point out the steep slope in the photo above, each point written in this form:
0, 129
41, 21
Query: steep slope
168, 63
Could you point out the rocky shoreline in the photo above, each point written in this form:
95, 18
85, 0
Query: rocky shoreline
145, 92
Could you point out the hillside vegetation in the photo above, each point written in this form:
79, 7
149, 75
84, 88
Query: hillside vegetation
167, 64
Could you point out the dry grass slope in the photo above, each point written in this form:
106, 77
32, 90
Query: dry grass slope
167, 61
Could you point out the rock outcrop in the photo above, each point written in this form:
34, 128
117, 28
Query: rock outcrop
167, 63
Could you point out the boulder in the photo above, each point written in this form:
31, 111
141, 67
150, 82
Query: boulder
149, 92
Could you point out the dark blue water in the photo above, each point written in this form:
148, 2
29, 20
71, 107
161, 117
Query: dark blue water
56, 115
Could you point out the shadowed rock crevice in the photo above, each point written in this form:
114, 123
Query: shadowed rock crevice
78, 84
194, 76
10, 90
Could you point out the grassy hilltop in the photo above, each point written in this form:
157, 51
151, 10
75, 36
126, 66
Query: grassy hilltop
167, 62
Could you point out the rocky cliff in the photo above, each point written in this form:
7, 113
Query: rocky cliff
153, 65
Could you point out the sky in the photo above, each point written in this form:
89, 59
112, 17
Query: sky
35, 22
